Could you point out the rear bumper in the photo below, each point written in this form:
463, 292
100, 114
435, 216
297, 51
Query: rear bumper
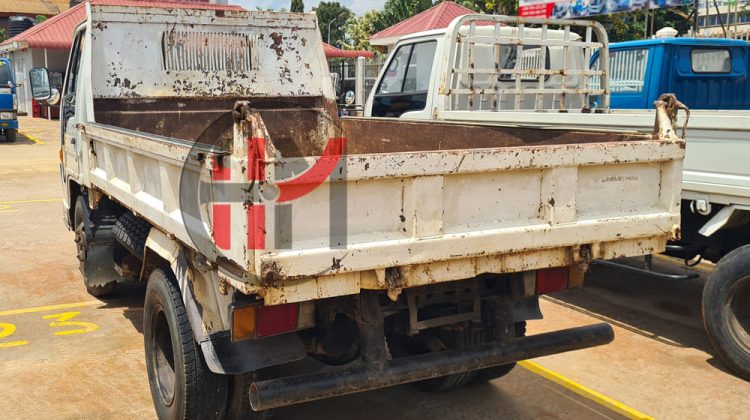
285, 391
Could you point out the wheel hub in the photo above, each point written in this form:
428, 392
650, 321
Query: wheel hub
163, 358
81, 245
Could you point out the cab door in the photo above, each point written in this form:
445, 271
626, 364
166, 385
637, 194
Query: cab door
405, 84
71, 141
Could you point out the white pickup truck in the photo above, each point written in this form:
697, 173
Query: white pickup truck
202, 154
462, 74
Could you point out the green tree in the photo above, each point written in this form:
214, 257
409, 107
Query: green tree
3, 34
394, 11
360, 29
39, 19
298, 6
631, 26
338, 17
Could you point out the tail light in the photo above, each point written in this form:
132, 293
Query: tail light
551, 280
258, 321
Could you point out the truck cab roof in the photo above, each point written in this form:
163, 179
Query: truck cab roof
719, 42
705, 73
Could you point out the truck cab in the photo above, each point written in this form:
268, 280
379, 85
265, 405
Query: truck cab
415, 79
703, 73
8, 101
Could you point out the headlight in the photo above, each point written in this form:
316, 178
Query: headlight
7, 116
15, 102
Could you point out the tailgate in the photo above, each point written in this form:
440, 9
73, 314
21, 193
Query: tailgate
398, 220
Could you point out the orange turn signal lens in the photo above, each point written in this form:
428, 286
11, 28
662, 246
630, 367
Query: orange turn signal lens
61, 155
243, 322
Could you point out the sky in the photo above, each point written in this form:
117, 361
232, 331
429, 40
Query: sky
357, 6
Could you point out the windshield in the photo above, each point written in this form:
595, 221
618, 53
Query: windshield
5, 75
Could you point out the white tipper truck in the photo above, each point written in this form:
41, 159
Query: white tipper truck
465, 74
202, 154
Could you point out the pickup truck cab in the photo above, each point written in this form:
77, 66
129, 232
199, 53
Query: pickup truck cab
212, 164
704, 73
8, 101
418, 71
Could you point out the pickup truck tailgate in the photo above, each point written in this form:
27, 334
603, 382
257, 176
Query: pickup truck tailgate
408, 218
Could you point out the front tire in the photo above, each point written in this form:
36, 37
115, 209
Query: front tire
10, 135
726, 310
182, 386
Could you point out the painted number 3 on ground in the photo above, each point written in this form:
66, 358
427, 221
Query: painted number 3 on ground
60, 324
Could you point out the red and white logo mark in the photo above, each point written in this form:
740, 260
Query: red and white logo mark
288, 190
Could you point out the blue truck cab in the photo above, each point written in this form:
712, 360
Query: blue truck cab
703, 73
8, 101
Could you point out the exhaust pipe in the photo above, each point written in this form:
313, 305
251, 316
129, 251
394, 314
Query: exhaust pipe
297, 389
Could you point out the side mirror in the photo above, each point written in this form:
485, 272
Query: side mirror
54, 98
349, 98
40, 84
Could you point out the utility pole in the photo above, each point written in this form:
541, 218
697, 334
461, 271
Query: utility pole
695, 18
329, 26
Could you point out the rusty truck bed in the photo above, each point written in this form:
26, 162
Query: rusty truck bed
301, 127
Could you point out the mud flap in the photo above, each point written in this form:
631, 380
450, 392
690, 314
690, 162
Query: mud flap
221, 354
100, 248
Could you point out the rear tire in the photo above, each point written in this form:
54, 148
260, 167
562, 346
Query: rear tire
497, 372
239, 397
726, 310
463, 338
10, 135
182, 386
131, 232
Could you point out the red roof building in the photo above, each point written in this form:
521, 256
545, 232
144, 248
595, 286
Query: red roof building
436, 17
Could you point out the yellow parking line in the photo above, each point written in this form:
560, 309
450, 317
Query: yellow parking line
584, 391
49, 308
30, 137
45, 200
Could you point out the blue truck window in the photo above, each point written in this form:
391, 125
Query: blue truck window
627, 70
5, 75
710, 60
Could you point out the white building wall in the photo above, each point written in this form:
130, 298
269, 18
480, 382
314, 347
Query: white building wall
27, 59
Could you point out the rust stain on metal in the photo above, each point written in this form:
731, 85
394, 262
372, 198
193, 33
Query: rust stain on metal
276, 46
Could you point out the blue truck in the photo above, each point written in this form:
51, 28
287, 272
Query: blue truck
8, 101
704, 73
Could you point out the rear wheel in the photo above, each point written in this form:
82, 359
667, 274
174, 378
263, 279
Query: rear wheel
239, 397
726, 310
497, 372
182, 386
131, 232
95, 263
10, 135
465, 338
